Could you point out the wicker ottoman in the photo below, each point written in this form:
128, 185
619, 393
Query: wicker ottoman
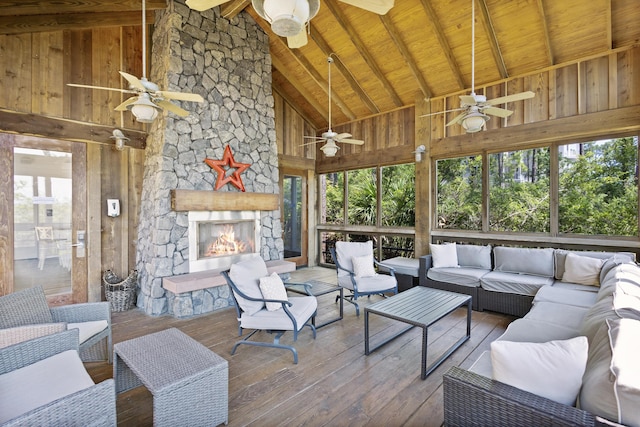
189, 382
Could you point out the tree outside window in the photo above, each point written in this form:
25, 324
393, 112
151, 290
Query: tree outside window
459, 193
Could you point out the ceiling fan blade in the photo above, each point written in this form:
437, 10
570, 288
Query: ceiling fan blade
133, 81
442, 112
510, 98
456, 119
468, 100
312, 142
298, 40
180, 96
125, 104
381, 7
101, 88
172, 107
495, 111
343, 135
201, 5
351, 141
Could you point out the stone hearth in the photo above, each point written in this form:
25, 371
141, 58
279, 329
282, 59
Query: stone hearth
228, 63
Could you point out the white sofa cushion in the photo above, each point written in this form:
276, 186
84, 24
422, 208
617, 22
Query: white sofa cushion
531, 330
511, 283
569, 316
463, 276
37, 384
560, 256
88, 329
611, 384
474, 256
534, 261
562, 295
552, 369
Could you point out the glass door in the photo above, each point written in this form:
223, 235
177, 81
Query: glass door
48, 217
294, 221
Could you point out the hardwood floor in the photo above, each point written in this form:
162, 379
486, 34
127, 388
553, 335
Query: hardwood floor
334, 383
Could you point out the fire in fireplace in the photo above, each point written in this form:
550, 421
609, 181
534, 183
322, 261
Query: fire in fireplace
219, 238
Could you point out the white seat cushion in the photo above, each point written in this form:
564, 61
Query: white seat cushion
35, 385
563, 295
88, 329
302, 309
379, 282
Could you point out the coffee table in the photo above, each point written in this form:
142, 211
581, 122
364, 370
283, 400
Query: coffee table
189, 382
422, 307
317, 288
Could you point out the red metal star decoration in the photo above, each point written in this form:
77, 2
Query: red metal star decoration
229, 162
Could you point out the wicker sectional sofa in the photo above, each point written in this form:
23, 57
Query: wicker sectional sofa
571, 360
501, 279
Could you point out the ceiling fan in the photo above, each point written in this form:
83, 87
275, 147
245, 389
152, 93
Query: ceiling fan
149, 98
289, 18
476, 108
330, 148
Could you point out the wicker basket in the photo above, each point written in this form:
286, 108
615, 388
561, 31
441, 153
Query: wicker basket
120, 293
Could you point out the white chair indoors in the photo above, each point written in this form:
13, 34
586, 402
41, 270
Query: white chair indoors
262, 304
356, 271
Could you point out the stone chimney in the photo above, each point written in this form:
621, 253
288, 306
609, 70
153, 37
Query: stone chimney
228, 63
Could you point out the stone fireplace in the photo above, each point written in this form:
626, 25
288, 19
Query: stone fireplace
219, 238
228, 63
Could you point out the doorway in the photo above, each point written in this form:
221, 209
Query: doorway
45, 217
294, 216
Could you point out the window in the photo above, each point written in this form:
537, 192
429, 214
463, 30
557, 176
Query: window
519, 191
607, 172
362, 205
459, 193
398, 196
332, 198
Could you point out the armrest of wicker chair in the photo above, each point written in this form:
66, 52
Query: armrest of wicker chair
474, 400
19, 334
93, 406
90, 350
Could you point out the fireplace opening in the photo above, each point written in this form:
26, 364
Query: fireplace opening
217, 239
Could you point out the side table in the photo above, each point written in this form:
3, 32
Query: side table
317, 288
189, 382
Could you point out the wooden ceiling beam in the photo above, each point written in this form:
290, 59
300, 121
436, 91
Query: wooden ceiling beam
406, 54
324, 46
231, 9
304, 64
545, 36
322, 109
47, 7
493, 39
59, 22
444, 44
364, 52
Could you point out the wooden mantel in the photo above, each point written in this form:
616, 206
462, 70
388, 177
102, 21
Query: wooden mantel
198, 200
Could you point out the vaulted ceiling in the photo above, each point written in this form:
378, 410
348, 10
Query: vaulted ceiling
420, 48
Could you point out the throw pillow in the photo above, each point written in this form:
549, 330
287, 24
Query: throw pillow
582, 270
363, 266
444, 255
273, 288
552, 369
474, 256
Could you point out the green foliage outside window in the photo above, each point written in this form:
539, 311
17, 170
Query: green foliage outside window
399, 196
459, 199
519, 191
332, 188
599, 189
362, 204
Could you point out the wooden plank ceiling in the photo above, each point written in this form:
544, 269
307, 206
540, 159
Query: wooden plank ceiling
420, 48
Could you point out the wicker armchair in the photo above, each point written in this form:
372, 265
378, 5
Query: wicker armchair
92, 406
29, 307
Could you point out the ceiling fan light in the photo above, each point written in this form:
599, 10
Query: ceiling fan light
287, 17
474, 122
144, 110
330, 149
